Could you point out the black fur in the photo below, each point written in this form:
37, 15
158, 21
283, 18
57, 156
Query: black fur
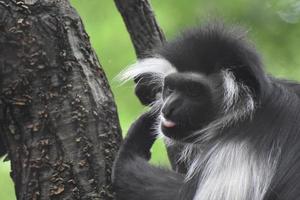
271, 129
213, 47
2, 148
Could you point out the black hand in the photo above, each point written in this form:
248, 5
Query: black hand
133, 177
140, 136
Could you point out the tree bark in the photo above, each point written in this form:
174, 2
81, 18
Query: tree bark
146, 35
58, 119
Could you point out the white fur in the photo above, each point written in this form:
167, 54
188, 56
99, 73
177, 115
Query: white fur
231, 90
158, 67
233, 171
188, 154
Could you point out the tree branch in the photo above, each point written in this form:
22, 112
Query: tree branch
141, 24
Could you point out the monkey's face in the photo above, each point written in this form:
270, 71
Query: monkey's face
188, 105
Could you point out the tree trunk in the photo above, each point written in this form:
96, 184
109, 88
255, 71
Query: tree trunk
58, 119
145, 35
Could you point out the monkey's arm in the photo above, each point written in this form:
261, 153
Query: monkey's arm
294, 86
133, 177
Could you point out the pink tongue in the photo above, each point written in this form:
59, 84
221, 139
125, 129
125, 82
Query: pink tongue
168, 124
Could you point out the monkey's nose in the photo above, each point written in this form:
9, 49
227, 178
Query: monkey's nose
167, 111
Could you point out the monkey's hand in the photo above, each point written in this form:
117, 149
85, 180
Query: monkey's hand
140, 137
133, 177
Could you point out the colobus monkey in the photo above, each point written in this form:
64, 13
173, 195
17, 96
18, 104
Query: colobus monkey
239, 126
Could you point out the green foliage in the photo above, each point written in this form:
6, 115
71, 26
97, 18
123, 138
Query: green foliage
273, 25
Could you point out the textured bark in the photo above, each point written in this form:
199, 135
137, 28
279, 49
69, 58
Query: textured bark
58, 119
146, 35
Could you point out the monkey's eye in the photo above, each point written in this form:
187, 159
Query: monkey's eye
167, 91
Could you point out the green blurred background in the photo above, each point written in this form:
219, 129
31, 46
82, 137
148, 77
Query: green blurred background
274, 25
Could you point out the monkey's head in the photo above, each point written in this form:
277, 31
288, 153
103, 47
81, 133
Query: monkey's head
205, 80
190, 102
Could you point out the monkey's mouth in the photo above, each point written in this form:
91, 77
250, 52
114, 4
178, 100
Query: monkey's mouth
171, 129
167, 123
174, 129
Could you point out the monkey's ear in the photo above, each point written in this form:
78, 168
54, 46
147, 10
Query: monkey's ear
146, 90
